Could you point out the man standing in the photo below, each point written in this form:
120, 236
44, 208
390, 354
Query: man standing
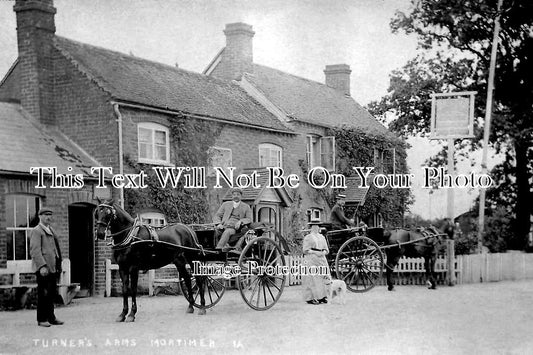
337, 218
232, 216
46, 262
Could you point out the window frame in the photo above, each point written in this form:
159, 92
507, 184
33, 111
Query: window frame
271, 147
316, 143
153, 127
11, 231
151, 215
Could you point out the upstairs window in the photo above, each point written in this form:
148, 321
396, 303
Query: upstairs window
270, 155
154, 147
320, 151
385, 160
21, 217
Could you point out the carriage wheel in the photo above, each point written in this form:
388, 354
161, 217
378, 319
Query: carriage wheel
214, 288
359, 263
261, 281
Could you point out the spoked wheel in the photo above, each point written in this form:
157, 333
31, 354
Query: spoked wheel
214, 288
359, 263
261, 280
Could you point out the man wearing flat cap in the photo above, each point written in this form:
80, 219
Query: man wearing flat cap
231, 217
46, 263
337, 218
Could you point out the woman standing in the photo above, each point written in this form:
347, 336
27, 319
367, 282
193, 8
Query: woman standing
315, 249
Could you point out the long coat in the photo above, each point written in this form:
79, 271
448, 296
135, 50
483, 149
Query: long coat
43, 247
243, 212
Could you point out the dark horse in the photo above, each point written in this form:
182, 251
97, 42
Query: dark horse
412, 244
136, 248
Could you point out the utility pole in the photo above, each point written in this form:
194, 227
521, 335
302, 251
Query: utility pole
488, 115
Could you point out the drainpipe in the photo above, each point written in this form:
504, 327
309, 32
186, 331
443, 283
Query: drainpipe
120, 150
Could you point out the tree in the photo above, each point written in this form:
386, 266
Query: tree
456, 38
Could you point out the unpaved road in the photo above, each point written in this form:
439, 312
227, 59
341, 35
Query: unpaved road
489, 318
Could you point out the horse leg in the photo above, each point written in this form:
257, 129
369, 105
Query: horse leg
125, 277
134, 276
200, 281
392, 261
429, 264
187, 278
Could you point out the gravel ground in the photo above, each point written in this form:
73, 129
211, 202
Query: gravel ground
489, 318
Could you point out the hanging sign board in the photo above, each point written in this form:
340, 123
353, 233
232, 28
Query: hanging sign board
452, 115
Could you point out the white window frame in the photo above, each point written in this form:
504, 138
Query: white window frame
316, 215
271, 148
151, 217
13, 229
211, 164
153, 127
314, 160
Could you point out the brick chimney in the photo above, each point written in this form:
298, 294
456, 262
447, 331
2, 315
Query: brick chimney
237, 57
35, 34
338, 77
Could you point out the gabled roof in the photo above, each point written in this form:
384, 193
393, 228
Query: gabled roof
253, 195
311, 102
26, 143
141, 81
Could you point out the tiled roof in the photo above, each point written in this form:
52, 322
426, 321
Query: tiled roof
25, 143
354, 193
310, 101
137, 80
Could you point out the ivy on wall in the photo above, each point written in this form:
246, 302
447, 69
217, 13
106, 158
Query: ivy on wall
190, 140
355, 147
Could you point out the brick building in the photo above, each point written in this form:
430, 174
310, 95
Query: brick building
72, 106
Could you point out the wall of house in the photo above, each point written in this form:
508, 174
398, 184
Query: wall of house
82, 112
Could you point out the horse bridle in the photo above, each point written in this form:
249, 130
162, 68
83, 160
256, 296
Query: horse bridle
106, 225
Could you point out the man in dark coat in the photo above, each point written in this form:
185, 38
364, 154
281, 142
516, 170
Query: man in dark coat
231, 217
46, 263
337, 218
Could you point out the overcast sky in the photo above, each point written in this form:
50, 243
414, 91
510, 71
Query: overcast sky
300, 37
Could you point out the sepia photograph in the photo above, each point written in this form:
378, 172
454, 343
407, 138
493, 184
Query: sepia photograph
257, 177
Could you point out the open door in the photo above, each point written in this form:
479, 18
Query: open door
81, 246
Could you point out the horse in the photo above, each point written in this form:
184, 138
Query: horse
136, 247
413, 244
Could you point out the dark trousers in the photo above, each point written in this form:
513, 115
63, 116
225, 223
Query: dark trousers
46, 292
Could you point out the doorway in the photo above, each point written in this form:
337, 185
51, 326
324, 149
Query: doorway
81, 246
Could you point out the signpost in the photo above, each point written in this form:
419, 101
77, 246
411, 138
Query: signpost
452, 117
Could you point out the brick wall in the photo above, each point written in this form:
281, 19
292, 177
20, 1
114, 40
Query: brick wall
84, 114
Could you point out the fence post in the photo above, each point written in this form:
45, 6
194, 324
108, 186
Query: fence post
107, 278
450, 262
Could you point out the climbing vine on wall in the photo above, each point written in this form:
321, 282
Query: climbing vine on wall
189, 143
356, 147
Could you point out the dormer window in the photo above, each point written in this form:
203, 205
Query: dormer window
154, 147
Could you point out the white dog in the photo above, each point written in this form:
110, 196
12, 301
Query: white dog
336, 288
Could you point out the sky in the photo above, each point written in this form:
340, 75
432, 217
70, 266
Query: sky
299, 37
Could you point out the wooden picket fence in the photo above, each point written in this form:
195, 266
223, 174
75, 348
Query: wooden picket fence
468, 269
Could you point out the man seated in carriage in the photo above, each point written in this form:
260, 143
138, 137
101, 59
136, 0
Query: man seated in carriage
337, 218
231, 217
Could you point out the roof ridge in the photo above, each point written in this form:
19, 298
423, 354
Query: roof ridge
314, 82
144, 60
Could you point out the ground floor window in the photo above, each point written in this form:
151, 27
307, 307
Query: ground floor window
21, 217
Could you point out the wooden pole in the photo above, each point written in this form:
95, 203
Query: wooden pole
486, 132
450, 246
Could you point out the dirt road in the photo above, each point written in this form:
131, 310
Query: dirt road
466, 319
